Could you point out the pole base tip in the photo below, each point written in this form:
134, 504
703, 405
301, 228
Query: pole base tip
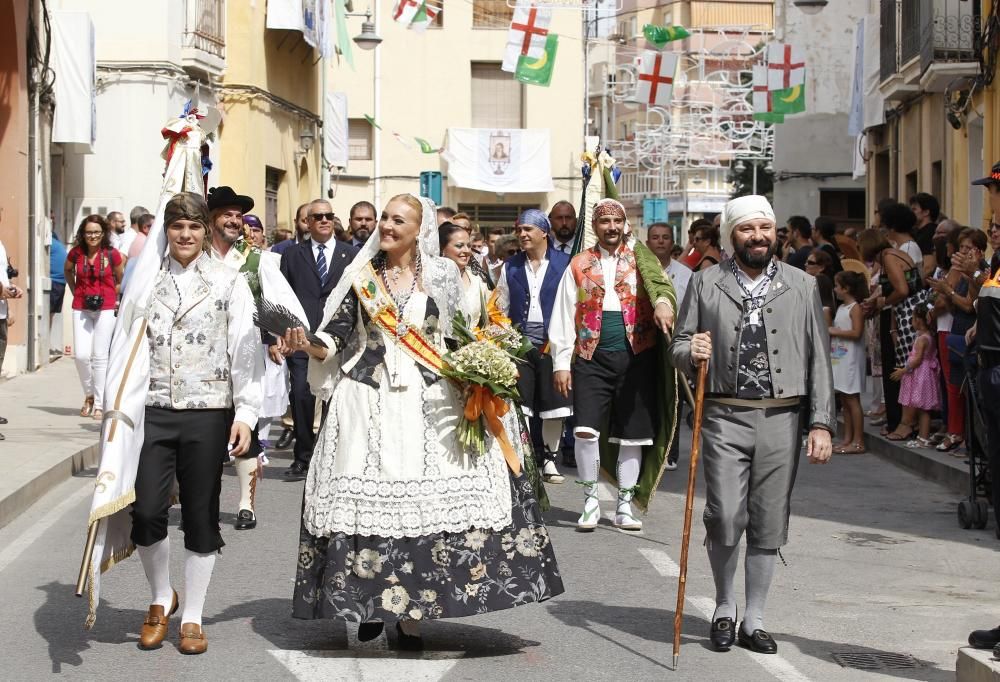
676, 658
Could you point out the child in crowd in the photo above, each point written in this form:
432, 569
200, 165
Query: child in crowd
920, 388
847, 353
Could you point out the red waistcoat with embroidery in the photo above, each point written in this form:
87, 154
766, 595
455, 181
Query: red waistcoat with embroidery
637, 311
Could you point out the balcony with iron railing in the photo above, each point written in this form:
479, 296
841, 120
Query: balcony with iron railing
204, 45
927, 43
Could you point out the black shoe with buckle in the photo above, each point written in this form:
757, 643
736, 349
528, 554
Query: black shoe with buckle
723, 633
245, 520
984, 639
760, 641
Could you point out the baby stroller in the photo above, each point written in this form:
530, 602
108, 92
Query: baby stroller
974, 510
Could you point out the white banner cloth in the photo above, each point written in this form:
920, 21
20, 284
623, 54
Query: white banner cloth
504, 160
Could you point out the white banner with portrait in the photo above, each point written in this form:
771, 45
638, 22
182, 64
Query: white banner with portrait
499, 160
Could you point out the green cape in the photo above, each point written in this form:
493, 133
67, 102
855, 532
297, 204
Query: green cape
654, 457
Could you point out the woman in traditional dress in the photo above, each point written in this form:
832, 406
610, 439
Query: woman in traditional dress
454, 242
399, 522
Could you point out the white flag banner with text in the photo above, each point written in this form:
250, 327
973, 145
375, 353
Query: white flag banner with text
499, 160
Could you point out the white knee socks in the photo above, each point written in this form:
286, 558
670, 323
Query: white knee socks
759, 572
156, 562
587, 459
197, 575
552, 430
629, 460
724, 560
246, 473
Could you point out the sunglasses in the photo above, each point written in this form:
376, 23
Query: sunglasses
323, 216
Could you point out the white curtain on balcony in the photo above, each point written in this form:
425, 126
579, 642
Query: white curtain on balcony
73, 60
499, 160
309, 17
335, 130
874, 107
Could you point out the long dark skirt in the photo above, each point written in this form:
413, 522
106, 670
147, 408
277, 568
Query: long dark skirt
445, 575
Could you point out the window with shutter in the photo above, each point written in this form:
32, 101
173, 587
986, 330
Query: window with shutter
491, 14
359, 139
497, 98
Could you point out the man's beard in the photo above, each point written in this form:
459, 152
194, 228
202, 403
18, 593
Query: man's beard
226, 237
362, 235
752, 261
565, 235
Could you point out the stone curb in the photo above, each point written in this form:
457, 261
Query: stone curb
18, 501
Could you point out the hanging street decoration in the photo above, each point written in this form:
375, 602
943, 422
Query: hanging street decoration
415, 14
656, 78
538, 71
789, 100
661, 35
529, 30
786, 66
425, 146
762, 110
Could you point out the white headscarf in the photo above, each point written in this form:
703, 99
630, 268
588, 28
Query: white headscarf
739, 211
441, 280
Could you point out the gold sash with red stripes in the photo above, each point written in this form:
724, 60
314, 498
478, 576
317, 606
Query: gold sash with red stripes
379, 304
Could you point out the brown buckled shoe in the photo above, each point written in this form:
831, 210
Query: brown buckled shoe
154, 628
192, 639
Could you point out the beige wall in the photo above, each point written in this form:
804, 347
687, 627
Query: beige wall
424, 87
257, 133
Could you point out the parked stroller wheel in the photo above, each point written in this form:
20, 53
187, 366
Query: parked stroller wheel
982, 514
966, 514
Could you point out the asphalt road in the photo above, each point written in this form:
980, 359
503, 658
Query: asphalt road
876, 567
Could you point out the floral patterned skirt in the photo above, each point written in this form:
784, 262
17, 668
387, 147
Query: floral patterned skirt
444, 575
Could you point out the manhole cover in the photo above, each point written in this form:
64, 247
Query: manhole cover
878, 660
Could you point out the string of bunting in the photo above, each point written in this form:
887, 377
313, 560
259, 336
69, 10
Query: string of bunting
424, 146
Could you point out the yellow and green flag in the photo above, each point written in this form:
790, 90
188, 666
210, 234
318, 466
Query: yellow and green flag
661, 35
789, 100
538, 71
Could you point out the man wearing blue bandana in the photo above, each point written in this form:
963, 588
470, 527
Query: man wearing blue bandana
526, 292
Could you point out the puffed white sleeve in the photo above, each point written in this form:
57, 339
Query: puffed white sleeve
502, 291
562, 325
246, 359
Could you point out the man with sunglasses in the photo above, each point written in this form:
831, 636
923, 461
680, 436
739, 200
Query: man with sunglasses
312, 268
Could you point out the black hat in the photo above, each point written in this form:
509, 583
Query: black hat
220, 197
992, 179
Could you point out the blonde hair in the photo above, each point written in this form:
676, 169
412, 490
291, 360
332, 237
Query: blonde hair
412, 202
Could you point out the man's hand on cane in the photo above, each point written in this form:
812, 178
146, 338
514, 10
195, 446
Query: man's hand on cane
701, 347
663, 315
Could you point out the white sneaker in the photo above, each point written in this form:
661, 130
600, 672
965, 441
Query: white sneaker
591, 515
550, 474
624, 518
670, 466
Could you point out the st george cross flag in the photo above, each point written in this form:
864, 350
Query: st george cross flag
656, 78
786, 66
526, 36
762, 97
405, 11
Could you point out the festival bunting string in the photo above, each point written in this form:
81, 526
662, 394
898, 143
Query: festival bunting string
779, 84
661, 35
425, 146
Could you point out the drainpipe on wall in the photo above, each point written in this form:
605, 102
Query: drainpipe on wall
377, 133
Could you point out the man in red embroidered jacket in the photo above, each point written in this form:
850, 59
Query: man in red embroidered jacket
603, 337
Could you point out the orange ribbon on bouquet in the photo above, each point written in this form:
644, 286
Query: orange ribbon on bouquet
483, 402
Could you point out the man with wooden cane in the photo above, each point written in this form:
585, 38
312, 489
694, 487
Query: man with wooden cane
759, 324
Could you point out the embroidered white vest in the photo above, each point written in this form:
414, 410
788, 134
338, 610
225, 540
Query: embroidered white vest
189, 365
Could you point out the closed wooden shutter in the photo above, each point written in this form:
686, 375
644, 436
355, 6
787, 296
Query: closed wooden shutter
497, 98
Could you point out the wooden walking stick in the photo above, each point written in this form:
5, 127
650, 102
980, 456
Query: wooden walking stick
699, 406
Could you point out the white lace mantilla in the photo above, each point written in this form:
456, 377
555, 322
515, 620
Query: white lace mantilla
387, 463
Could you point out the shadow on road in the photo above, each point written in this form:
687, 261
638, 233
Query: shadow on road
656, 625
272, 620
60, 621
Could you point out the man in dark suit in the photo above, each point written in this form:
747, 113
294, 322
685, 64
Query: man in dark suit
312, 268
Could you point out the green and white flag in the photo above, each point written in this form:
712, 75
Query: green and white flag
424, 17
538, 71
426, 146
789, 100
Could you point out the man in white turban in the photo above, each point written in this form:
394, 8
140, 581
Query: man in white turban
759, 324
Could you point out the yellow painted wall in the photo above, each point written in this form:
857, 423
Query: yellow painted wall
257, 133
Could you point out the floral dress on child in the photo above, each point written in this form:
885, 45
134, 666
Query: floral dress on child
399, 522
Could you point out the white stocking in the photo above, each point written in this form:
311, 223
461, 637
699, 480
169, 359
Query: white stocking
588, 456
156, 562
246, 474
197, 575
629, 462
552, 430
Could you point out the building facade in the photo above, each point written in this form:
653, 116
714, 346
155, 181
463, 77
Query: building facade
418, 85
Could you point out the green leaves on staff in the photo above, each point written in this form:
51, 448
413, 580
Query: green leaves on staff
538, 71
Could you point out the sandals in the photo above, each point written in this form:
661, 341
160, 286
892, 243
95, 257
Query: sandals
879, 421
919, 442
855, 449
897, 436
950, 442
88, 406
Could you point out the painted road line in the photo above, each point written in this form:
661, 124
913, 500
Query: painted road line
356, 666
773, 663
16, 548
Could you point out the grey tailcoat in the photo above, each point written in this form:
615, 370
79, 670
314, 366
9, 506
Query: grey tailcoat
798, 341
